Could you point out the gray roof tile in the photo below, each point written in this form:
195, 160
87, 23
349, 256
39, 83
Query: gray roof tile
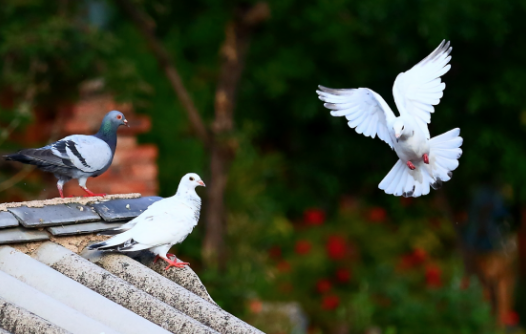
54, 215
82, 228
20, 234
123, 209
67, 218
7, 220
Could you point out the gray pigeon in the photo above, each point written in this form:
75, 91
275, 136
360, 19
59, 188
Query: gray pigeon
77, 156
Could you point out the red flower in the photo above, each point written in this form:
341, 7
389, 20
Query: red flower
336, 247
330, 302
274, 252
417, 257
283, 266
433, 276
510, 318
302, 247
377, 215
255, 306
323, 285
343, 275
314, 216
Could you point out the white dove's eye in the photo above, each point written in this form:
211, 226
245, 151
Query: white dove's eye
191, 178
403, 127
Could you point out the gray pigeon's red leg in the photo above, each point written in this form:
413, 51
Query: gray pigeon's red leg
174, 263
426, 158
60, 191
90, 193
410, 165
60, 184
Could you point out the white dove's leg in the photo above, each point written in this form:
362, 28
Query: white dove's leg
425, 157
161, 253
410, 165
82, 184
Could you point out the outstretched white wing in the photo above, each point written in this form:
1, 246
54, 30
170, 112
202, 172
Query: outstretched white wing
419, 89
365, 110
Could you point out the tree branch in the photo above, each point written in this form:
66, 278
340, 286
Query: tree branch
146, 27
233, 53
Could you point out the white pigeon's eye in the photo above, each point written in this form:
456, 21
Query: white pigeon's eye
191, 178
403, 127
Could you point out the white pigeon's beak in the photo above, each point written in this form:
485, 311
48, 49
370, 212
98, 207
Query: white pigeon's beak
397, 135
201, 183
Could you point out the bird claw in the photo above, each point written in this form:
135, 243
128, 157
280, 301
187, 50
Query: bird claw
90, 193
168, 255
174, 263
426, 158
410, 165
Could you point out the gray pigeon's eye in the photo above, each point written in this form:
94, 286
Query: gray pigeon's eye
119, 116
191, 178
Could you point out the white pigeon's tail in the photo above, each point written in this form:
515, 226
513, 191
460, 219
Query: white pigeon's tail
444, 153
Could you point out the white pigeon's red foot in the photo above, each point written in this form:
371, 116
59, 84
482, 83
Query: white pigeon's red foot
157, 257
91, 194
174, 263
426, 158
410, 165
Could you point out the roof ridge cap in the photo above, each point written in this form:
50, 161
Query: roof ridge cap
57, 200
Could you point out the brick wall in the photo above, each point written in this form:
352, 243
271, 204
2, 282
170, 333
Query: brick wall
134, 167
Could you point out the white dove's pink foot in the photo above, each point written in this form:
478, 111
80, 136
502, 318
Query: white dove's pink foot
174, 263
90, 193
426, 158
157, 257
410, 165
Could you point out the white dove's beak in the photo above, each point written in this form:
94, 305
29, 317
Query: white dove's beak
397, 135
201, 183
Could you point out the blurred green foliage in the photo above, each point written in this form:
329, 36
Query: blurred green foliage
291, 154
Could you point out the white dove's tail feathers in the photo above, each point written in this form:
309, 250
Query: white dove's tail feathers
120, 242
443, 159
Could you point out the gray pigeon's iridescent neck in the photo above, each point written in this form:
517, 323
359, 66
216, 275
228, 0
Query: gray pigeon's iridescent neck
108, 133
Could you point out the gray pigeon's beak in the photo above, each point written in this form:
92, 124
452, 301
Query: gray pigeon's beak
125, 121
201, 183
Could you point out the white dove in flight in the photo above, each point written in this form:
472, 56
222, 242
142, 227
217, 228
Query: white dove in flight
424, 161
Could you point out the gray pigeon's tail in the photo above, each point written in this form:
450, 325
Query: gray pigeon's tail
20, 158
443, 159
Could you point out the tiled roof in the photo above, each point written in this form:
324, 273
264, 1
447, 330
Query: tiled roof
49, 282
34, 221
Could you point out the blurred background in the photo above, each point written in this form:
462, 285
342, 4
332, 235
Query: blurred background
295, 236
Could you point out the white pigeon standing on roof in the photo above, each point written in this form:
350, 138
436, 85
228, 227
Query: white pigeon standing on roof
165, 223
424, 161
